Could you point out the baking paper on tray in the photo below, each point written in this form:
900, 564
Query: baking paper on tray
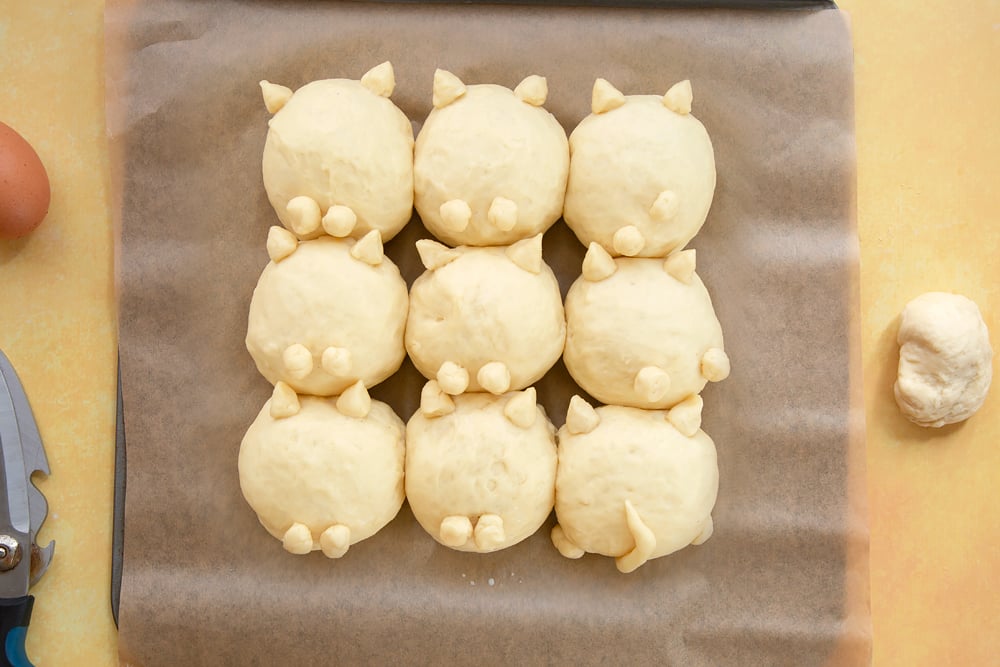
784, 579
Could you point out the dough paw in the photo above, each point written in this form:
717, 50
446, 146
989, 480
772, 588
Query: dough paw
605, 97
715, 365
304, 215
522, 408
527, 254
297, 539
298, 361
494, 377
284, 401
434, 402
705, 533
533, 90
355, 401
335, 541
280, 243
502, 214
455, 215
645, 542
369, 248
455, 530
380, 79
275, 96
665, 207
681, 265
686, 415
581, 416
652, 383
563, 544
452, 378
434, 255
628, 241
598, 264
336, 361
489, 532
447, 88
678, 99
339, 221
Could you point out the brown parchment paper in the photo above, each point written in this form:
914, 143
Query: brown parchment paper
783, 581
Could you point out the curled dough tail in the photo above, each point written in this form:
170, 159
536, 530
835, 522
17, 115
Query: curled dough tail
645, 541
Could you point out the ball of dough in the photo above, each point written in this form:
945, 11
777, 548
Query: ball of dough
490, 166
319, 478
641, 336
480, 469
328, 314
492, 314
945, 360
339, 158
632, 487
641, 176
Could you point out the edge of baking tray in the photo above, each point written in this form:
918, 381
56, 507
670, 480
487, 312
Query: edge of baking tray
118, 529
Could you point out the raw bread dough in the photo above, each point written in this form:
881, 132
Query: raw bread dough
642, 173
492, 318
339, 157
480, 469
490, 164
945, 360
323, 473
326, 313
642, 332
632, 486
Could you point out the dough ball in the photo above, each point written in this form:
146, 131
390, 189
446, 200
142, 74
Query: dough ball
322, 319
945, 360
633, 487
481, 476
496, 163
318, 478
644, 167
339, 144
487, 314
642, 337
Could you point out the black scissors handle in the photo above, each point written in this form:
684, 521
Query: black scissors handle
15, 614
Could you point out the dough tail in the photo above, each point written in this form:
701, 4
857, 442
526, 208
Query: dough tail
645, 541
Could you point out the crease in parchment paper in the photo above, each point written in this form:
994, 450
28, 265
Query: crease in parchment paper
783, 581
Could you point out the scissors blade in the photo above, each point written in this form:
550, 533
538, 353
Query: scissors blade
32, 449
14, 479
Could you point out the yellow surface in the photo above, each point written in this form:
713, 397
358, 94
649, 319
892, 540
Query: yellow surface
928, 95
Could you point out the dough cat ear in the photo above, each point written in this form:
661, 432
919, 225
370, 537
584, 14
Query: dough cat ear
527, 254
275, 96
705, 533
681, 265
645, 541
455, 530
284, 401
678, 98
434, 402
455, 215
447, 88
297, 539
305, 215
335, 541
715, 365
521, 408
336, 361
665, 207
605, 97
369, 248
452, 378
339, 221
533, 90
581, 417
494, 377
598, 264
563, 544
502, 214
298, 360
628, 241
651, 383
355, 401
489, 532
434, 255
280, 243
686, 415
380, 79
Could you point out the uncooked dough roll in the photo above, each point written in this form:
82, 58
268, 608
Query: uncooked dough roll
642, 332
327, 313
633, 484
642, 172
480, 469
490, 164
323, 474
339, 157
485, 319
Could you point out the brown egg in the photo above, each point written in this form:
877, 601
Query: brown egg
24, 186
